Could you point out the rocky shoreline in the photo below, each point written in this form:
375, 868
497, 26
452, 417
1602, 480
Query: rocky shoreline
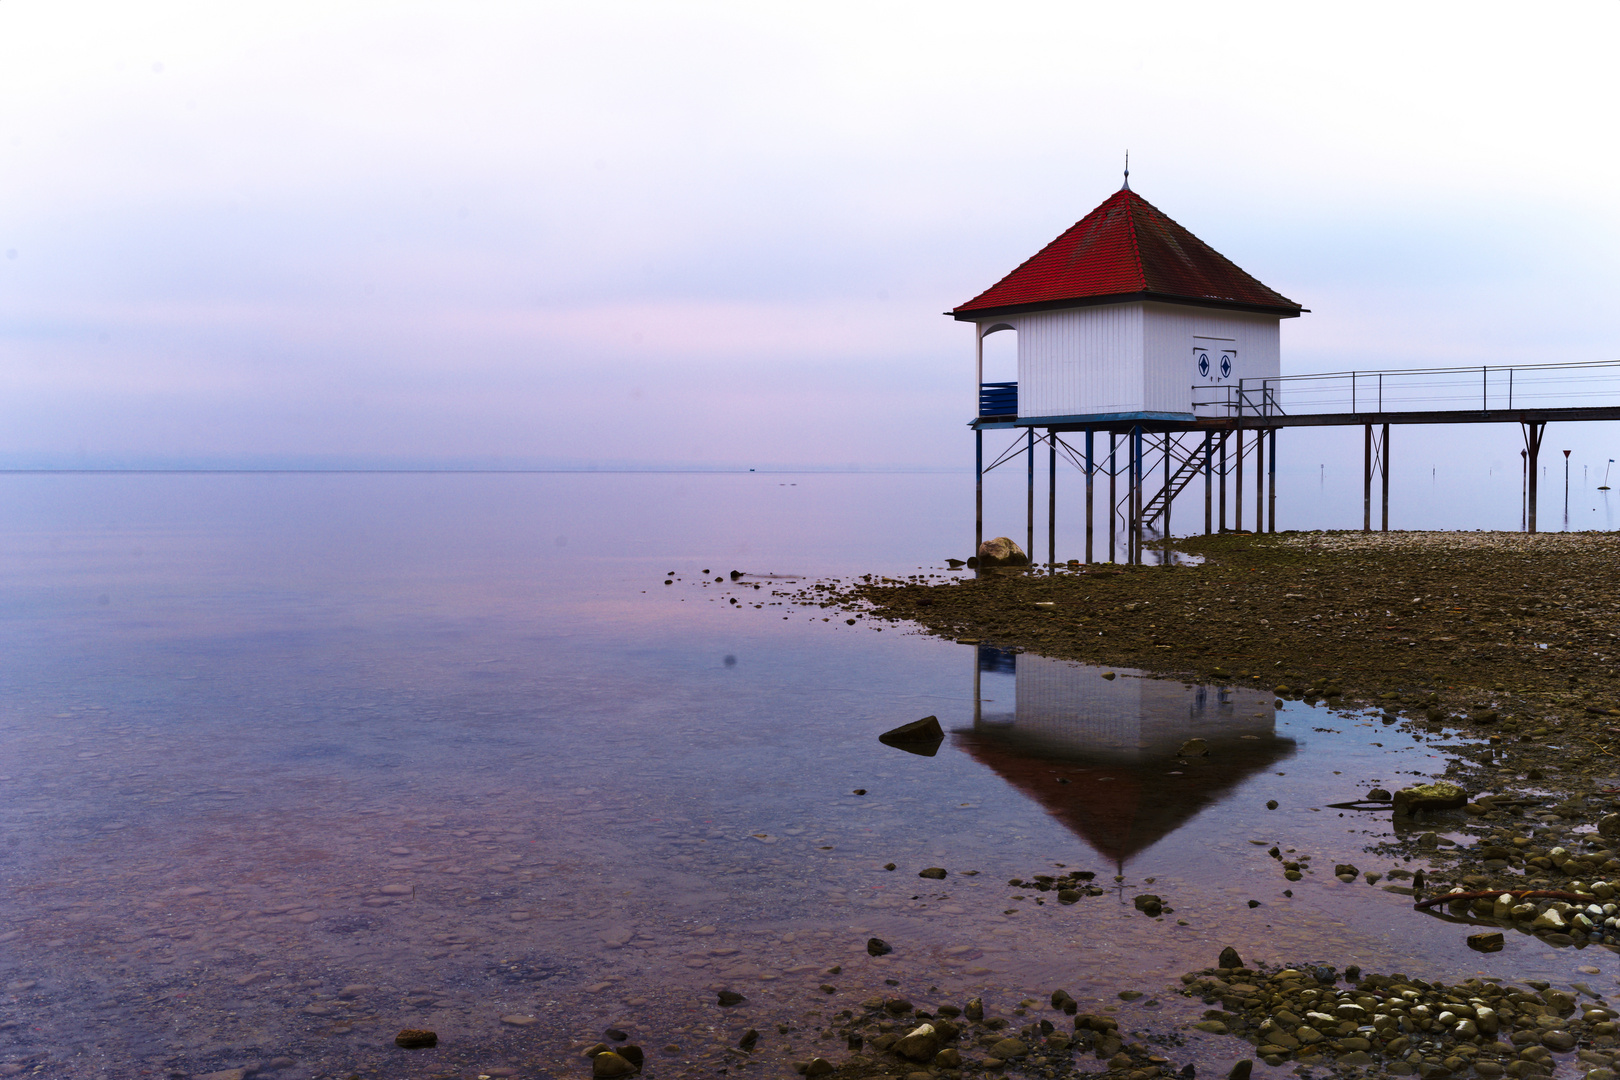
1506, 640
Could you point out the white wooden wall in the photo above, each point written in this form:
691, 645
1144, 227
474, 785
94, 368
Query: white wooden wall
1129, 358
1168, 332
1080, 360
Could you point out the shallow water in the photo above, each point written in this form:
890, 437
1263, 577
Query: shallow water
288, 763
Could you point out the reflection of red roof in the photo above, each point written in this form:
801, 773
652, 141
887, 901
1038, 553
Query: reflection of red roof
1127, 249
1139, 805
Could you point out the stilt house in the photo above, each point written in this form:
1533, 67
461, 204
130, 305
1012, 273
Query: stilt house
1127, 316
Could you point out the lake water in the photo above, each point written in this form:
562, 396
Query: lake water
291, 762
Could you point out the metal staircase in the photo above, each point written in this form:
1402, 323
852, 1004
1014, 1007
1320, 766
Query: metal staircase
1179, 480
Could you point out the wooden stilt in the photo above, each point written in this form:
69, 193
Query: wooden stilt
1029, 535
1051, 500
1271, 485
1237, 486
1090, 472
1259, 482
1383, 458
1366, 481
1113, 497
1164, 548
978, 493
1532, 443
1209, 493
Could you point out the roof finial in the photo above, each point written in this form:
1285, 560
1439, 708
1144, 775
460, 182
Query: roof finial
1126, 186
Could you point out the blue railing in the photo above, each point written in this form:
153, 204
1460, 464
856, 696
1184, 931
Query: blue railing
998, 399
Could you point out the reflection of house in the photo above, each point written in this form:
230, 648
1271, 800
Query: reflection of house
1101, 755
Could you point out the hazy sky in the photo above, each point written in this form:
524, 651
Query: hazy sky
695, 232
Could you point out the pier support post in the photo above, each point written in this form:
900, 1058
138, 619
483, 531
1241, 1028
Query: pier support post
1532, 443
1237, 487
1164, 548
978, 492
1209, 492
1383, 460
1271, 485
1136, 495
1090, 472
1366, 480
1259, 482
1113, 504
1051, 500
1029, 535
1224, 436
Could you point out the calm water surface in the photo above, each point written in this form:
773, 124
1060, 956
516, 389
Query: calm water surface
288, 763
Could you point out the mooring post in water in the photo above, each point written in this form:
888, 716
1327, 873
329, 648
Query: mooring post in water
1089, 471
1532, 443
1051, 500
1029, 535
1366, 481
1271, 486
1383, 459
1566, 491
1113, 506
978, 492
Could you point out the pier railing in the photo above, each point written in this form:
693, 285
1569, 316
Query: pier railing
1482, 389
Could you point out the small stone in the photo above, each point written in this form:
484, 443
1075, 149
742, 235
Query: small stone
1271, 804
1008, 1049
632, 1053
919, 1044
1489, 942
818, 1067
948, 1058
416, 1039
1378, 794
974, 1010
519, 1020
728, 998
878, 947
1241, 1070
607, 1065
1193, 748
749, 1039
1069, 896
888, 866
1230, 958
1558, 1040
935, 873
1212, 1027
1548, 920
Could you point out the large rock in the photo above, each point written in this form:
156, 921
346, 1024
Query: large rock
1002, 551
920, 737
1436, 796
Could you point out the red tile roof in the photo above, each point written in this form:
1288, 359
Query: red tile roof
1126, 249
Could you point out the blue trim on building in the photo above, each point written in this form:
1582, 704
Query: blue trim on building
1093, 419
